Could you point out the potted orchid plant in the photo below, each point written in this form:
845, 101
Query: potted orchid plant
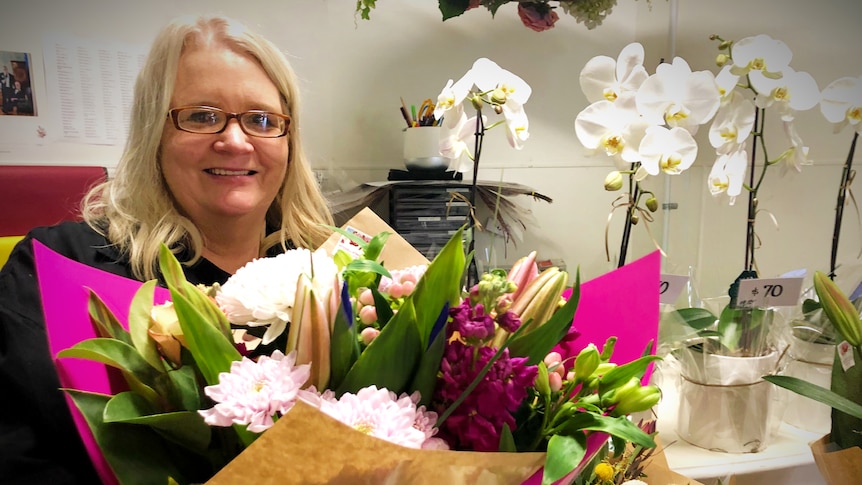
485, 87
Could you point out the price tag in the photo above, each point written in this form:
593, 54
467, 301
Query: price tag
349, 246
670, 287
762, 293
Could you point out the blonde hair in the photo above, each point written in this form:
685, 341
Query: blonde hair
135, 210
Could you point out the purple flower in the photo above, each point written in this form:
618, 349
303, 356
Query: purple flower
477, 423
472, 323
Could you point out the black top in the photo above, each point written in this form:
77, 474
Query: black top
38, 439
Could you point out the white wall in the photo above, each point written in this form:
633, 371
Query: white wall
354, 71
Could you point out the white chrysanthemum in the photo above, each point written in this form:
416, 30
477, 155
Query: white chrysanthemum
262, 292
376, 412
253, 392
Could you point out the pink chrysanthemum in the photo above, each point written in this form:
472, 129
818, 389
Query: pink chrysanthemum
376, 412
255, 391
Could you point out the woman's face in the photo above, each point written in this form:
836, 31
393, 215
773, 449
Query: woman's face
225, 176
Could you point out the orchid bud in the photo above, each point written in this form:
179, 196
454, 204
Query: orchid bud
498, 96
652, 204
635, 219
721, 60
476, 101
498, 108
614, 181
725, 45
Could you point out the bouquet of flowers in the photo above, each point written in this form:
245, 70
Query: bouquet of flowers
402, 354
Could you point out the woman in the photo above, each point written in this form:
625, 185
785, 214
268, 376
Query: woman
213, 167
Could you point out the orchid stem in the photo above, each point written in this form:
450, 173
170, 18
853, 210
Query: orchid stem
627, 229
472, 271
752, 193
839, 208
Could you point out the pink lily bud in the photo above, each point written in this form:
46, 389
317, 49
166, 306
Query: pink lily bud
408, 287
366, 297
396, 290
368, 334
368, 314
555, 381
309, 332
522, 273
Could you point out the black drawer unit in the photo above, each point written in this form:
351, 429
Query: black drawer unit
428, 213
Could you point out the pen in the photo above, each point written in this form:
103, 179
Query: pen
406, 114
406, 117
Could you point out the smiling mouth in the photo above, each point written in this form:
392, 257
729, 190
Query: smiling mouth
223, 172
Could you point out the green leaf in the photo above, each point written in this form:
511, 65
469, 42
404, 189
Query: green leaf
390, 359
136, 454
564, 455
697, 318
818, 393
452, 8
507, 441
114, 353
344, 347
139, 324
623, 373
542, 384
425, 378
367, 266
441, 284
185, 392
536, 343
107, 324
186, 428
381, 304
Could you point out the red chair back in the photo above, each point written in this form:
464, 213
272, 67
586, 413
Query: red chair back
43, 195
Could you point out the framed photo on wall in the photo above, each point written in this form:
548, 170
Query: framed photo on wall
15, 85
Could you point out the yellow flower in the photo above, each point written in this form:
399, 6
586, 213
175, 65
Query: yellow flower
604, 472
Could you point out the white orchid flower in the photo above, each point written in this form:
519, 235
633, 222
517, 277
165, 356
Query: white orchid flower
728, 174
676, 96
453, 94
613, 127
732, 123
761, 53
794, 91
841, 103
797, 155
452, 141
667, 150
517, 124
488, 76
605, 78
726, 82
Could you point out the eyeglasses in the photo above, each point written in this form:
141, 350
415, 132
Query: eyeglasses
209, 120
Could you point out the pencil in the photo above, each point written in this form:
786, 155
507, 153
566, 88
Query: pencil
406, 113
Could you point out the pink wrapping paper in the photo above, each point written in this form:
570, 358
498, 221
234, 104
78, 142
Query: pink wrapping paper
622, 303
64, 285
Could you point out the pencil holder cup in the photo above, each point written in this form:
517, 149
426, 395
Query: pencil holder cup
422, 149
